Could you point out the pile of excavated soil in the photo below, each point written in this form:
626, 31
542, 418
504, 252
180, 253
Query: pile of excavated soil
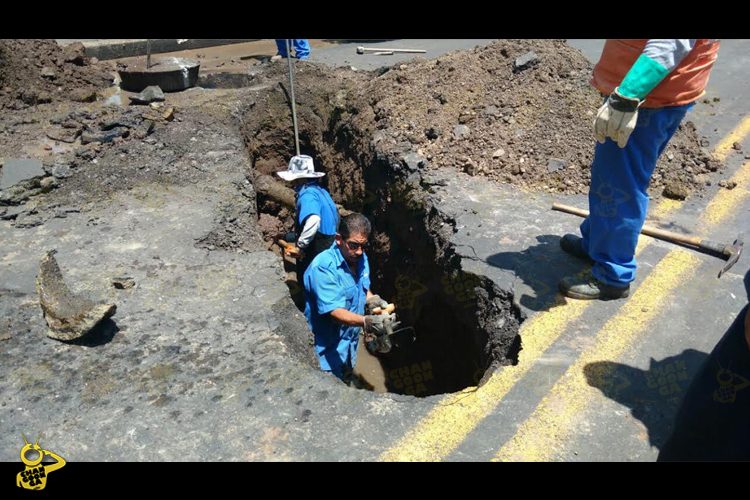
528, 126
40, 71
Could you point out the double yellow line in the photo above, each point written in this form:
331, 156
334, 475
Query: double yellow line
444, 428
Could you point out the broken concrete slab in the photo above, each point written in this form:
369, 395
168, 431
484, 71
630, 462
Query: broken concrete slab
68, 316
20, 192
64, 135
88, 137
10, 213
17, 170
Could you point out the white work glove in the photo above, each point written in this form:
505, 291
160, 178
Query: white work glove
616, 118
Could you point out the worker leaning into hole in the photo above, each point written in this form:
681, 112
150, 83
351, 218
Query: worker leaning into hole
338, 300
650, 84
316, 218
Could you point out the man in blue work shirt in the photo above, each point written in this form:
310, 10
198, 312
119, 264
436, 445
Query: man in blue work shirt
317, 215
337, 292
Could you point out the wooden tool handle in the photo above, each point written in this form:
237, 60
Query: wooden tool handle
647, 230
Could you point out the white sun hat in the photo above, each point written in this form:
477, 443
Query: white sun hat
300, 167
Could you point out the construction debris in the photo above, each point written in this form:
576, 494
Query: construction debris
68, 316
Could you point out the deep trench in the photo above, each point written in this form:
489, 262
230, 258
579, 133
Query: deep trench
463, 325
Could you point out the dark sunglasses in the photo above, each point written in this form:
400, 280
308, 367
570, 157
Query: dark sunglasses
353, 246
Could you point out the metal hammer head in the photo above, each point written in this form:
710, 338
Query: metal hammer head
360, 50
733, 253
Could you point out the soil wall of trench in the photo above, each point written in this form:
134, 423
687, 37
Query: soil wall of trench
464, 325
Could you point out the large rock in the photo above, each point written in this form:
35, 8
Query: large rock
68, 316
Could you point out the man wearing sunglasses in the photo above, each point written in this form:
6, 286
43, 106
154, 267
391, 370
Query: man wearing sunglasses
337, 293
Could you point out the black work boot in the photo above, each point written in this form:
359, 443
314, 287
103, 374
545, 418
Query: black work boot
586, 287
573, 245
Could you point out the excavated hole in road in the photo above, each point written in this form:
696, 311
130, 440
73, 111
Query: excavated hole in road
464, 325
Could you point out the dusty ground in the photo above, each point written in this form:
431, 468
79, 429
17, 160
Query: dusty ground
37, 72
471, 110
531, 127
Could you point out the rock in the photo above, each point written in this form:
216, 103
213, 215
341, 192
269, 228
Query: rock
62, 212
48, 184
102, 137
68, 316
461, 131
168, 114
75, 53
701, 180
527, 60
469, 166
48, 73
498, 153
83, 95
555, 164
675, 189
33, 97
737, 146
123, 283
727, 184
491, 111
63, 135
148, 95
414, 161
466, 117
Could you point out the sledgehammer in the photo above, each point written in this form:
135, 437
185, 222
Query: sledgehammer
730, 253
362, 50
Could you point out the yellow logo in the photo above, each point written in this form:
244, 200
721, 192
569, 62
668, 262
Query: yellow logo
34, 476
729, 384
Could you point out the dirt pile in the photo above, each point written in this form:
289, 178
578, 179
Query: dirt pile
40, 71
517, 112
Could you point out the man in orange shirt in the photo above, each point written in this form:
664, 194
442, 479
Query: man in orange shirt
651, 85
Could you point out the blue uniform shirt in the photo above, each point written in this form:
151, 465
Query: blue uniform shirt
329, 285
313, 199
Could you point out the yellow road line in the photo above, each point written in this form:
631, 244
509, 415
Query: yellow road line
443, 429
556, 414
720, 207
448, 424
456, 415
722, 149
